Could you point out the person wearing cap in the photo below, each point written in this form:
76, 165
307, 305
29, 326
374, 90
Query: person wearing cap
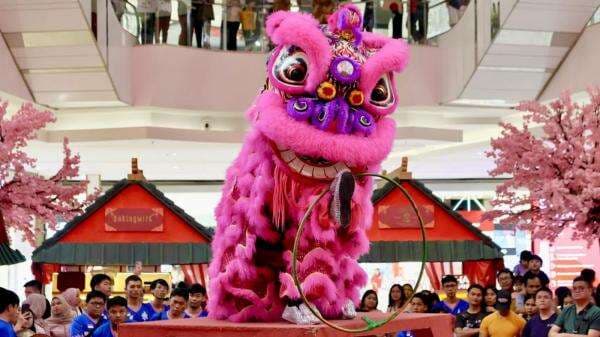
503, 322
523, 265
452, 304
582, 318
535, 265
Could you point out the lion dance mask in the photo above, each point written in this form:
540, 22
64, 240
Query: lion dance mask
322, 118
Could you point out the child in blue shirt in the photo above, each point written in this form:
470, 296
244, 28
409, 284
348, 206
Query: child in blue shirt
178, 303
9, 312
117, 314
452, 304
160, 290
85, 324
197, 302
137, 311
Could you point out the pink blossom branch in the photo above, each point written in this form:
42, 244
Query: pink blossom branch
24, 196
557, 173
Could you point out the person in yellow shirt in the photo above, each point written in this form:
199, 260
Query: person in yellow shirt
503, 322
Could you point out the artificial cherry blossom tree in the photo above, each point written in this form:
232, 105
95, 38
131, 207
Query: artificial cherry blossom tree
26, 196
554, 162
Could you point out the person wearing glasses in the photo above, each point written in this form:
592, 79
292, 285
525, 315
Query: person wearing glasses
85, 324
582, 318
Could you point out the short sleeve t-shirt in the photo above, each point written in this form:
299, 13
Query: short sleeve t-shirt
496, 325
103, 331
6, 329
201, 314
537, 327
468, 320
83, 325
145, 313
164, 316
571, 321
442, 307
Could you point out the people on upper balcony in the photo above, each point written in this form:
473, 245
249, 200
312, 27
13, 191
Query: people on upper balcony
248, 18
322, 9
369, 16
164, 20
147, 11
182, 13
281, 5
200, 16
396, 10
418, 20
233, 10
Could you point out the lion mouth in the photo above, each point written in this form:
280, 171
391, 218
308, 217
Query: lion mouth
311, 167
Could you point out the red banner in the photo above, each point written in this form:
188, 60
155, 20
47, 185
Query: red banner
133, 219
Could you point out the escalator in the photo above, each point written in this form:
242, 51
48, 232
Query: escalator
530, 43
56, 53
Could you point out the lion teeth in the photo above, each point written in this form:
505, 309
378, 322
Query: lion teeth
288, 156
306, 169
319, 173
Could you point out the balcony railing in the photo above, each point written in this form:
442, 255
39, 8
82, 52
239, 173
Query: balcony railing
227, 24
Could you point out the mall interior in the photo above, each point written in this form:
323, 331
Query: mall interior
162, 87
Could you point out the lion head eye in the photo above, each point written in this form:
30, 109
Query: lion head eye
291, 66
382, 94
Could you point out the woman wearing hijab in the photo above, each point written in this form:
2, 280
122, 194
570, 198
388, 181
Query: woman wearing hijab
59, 324
37, 304
71, 295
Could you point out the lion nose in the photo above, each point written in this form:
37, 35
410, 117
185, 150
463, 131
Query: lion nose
334, 116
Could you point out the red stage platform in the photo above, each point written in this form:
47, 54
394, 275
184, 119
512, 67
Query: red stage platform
425, 325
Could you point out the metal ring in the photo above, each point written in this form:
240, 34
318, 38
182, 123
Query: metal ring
371, 324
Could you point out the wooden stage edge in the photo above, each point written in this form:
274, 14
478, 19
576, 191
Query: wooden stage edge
425, 325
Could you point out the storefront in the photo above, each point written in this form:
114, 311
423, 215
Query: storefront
454, 245
132, 223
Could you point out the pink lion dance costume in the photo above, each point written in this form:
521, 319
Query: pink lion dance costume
323, 114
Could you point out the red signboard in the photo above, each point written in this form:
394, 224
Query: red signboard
404, 216
133, 219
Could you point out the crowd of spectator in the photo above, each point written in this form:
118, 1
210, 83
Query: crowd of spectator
101, 313
522, 305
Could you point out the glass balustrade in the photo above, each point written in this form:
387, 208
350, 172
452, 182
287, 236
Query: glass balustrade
239, 25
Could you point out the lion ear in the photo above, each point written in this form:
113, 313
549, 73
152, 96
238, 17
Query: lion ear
303, 31
389, 55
